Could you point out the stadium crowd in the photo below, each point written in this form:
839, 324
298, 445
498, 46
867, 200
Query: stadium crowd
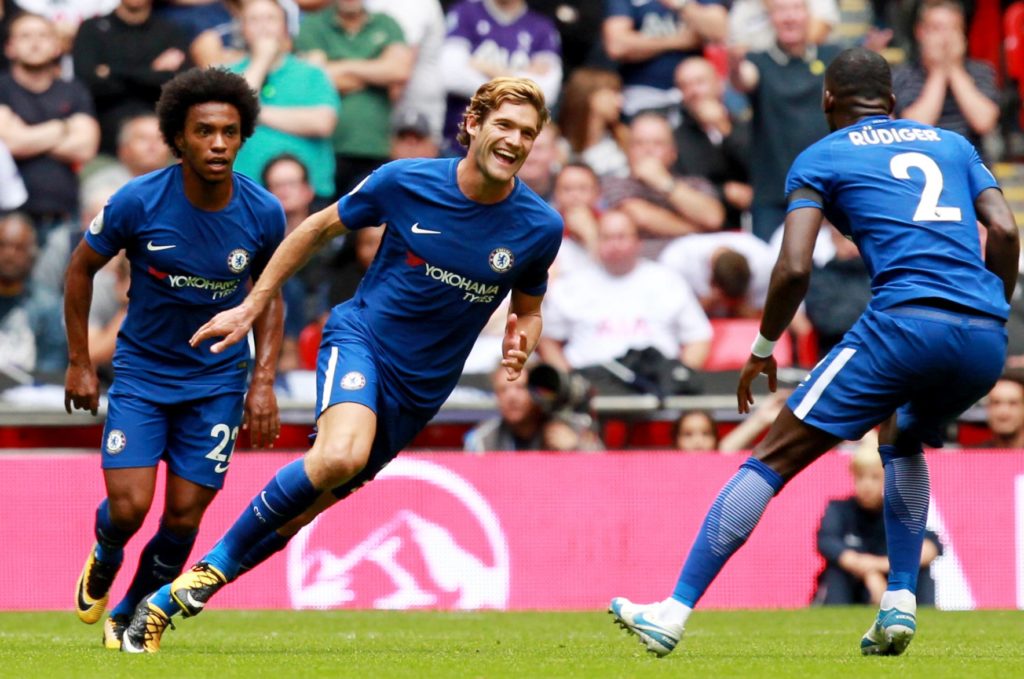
676, 123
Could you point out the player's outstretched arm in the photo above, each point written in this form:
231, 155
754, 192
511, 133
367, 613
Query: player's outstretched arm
262, 417
311, 235
790, 277
522, 332
1002, 247
81, 386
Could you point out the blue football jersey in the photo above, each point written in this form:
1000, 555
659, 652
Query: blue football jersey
187, 264
444, 265
904, 192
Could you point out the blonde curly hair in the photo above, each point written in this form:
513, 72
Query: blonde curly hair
494, 93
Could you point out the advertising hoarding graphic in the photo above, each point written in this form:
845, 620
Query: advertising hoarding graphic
414, 559
1019, 514
518, 531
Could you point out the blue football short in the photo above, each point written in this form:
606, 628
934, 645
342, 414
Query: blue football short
195, 438
347, 372
928, 364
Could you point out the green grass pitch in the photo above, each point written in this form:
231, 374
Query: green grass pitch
285, 644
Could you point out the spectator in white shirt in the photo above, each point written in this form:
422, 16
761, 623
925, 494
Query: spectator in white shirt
728, 271
576, 196
599, 313
422, 22
12, 189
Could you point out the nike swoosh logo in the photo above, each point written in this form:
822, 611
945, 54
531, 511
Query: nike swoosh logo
656, 631
161, 564
416, 228
158, 248
127, 645
83, 605
263, 496
191, 601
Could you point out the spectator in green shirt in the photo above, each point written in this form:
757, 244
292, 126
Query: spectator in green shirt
366, 58
298, 103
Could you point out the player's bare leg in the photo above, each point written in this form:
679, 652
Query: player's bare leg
165, 554
297, 493
340, 452
118, 518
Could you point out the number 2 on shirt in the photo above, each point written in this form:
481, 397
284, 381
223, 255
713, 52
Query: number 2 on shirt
928, 209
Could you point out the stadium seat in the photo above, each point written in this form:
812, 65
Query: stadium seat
1013, 45
309, 345
807, 354
718, 55
730, 344
985, 35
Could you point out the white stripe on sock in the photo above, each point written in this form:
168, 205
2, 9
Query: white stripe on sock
741, 508
332, 363
815, 392
909, 490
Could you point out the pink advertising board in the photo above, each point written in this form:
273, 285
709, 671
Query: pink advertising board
520, 531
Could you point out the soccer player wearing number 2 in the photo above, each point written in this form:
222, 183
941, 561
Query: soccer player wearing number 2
194, 234
930, 344
460, 235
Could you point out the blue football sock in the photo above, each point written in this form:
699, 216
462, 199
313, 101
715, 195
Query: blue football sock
162, 600
728, 524
287, 495
110, 540
906, 510
262, 550
161, 561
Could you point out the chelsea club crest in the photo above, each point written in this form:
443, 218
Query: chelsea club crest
501, 259
116, 441
353, 381
238, 260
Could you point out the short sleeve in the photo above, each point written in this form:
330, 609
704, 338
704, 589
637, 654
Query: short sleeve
984, 77
694, 325
392, 30
361, 207
557, 324
811, 170
617, 8
550, 40
82, 100
534, 280
679, 257
273, 229
309, 37
978, 176
112, 228
322, 91
458, 25
906, 86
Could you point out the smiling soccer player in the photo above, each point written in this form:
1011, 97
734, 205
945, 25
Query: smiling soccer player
461, 234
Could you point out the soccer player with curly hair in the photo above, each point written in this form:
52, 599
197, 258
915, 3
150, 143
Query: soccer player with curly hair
194, 233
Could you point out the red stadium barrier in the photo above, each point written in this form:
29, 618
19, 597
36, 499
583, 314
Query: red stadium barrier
521, 531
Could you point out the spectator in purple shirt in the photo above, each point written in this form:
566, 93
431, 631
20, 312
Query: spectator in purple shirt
492, 38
